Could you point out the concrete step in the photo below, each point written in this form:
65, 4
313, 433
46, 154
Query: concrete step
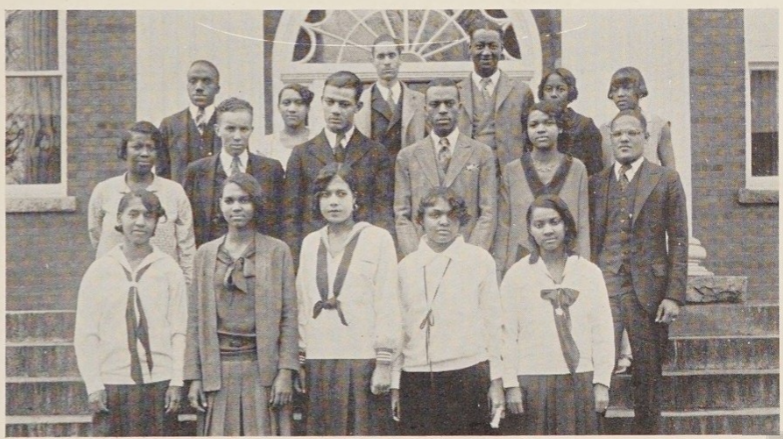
57, 359
755, 421
39, 326
723, 353
80, 425
727, 319
707, 390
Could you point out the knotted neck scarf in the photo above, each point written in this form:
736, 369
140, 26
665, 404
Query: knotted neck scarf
561, 299
138, 330
322, 279
241, 272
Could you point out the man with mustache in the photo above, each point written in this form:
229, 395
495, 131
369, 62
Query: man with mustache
446, 158
392, 114
190, 134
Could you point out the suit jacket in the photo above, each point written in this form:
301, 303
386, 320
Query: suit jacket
471, 174
659, 222
513, 99
413, 115
277, 331
182, 143
371, 167
199, 184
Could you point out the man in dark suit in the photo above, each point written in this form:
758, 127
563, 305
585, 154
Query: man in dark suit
340, 141
392, 113
447, 158
494, 105
639, 236
190, 134
204, 178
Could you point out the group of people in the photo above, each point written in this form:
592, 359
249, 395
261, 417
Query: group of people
427, 264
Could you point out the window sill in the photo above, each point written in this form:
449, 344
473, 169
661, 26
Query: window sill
40, 204
757, 196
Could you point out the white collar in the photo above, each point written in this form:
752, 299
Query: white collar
118, 255
332, 137
226, 159
452, 138
154, 186
635, 165
396, 91
209, 110
425, 254
495, 77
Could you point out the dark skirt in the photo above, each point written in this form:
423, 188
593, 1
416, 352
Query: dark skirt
340, 402
135, 410
555, 404
241, 406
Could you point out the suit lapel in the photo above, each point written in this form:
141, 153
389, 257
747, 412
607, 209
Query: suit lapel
211, 189
408, 108
379, 104
648, 179
467, 98
320, 149
362, 120
502, 90
602, 202
355, 149
425, 154
462, 153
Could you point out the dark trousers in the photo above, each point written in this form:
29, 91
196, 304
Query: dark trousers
648, 345
445, 403
135, 410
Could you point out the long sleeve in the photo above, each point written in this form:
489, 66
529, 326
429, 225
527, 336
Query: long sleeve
399, 359
95, 215
665, 148
489, 304
86, 334
602, 331
275, 202
484, 230
186, 241
383, 198
289, 328
407, 238
303, 304
293, 196
504, 226
386, 302
583, 216
510, 349
192, 368
677, 235
591, 144
178, 320
163, 159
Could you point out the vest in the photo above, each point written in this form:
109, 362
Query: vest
483, 116
386, 131
616, 249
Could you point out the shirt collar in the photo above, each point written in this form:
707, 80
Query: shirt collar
426, 254
117, 254
495, 77
396, 91
209, 110
332, 137
631, 172
226, 159
541, 267
153, 187
452, 138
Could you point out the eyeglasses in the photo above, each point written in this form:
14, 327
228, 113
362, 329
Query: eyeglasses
629, 133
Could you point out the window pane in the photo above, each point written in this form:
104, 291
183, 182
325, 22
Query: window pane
764, 122
30, 40
32, 130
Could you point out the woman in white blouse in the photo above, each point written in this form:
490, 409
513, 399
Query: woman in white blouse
293, 102
559, 340
349, 314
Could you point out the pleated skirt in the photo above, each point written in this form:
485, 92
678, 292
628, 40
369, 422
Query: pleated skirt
555, 404
241, 406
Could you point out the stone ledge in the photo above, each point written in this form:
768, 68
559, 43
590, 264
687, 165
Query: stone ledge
40, 205
716, 289
757, 196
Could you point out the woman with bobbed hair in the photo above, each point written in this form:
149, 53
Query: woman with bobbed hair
293, 102
626, 88
241, 352
138, 148
544, 170
580, 138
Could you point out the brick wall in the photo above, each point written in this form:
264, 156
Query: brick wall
739, 239
47, 254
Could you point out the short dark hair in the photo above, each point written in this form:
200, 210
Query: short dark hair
568, 78
346, 79
459, 209
233, 104
628, 76
484, 24
550, 201
325, 176
208, 64
550, 109
141, 127
635, 113
304, 92
382, 38
250, 186
442, 82
149, 200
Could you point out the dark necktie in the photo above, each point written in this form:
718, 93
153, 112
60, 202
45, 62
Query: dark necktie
138, 330
339, 149
390, 101
201, 122
235, 165
561, 299
485, 82
624, 178
444, 154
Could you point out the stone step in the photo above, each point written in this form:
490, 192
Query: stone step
39, 326
727, 319
754, 421
40, 360
707, 390
68, 425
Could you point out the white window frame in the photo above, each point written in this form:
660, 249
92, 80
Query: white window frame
16, 191
751, 181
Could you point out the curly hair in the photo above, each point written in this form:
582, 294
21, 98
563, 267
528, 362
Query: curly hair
459, 210
325, 176
568, 78
140, 127
149, 200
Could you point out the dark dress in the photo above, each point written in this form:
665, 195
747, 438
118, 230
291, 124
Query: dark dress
581, 139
